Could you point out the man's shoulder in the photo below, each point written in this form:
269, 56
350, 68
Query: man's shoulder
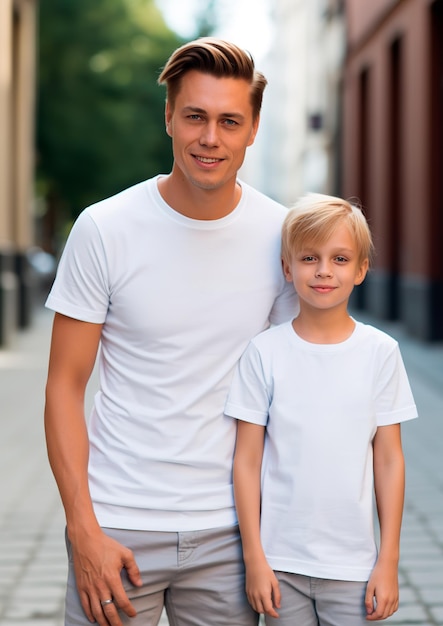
122, 200
262, 201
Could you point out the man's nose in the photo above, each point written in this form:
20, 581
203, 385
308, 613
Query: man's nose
209, 136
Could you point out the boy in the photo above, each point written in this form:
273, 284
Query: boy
319, 402
171, 277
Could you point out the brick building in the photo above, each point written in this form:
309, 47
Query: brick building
392, 154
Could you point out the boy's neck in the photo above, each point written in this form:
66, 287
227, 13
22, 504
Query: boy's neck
323, 326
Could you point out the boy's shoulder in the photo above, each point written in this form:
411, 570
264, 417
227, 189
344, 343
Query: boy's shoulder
376, 335
364, 336
272, 335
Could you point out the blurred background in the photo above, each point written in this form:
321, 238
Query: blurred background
353, 107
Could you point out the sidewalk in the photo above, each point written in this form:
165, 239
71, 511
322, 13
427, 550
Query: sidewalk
32, 554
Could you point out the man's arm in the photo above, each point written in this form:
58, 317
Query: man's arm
98, 560
389, 481
262, 586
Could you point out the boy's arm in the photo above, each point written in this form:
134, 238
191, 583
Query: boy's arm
262, 586
389, 482
98, 560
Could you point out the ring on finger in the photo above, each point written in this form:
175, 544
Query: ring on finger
105, 602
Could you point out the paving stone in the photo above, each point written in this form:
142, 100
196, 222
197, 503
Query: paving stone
437, 613
32, 550
408, 614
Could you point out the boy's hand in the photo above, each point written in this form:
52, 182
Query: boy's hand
262, 589
382, 595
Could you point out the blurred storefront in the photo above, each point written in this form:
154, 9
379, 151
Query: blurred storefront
299, 130
392, 156
17, 100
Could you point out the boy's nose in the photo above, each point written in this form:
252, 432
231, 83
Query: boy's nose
324, 271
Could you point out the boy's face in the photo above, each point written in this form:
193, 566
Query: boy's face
325, 274
211, 125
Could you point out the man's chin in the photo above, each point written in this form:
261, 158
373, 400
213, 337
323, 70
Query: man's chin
207, 185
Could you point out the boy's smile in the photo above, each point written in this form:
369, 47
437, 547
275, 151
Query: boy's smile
324, 274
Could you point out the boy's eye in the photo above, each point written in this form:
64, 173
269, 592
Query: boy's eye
341, 259
309, 258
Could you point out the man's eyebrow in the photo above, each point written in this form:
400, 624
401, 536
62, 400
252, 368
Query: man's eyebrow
194, 109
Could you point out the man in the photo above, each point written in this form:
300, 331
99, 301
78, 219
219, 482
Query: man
172, 278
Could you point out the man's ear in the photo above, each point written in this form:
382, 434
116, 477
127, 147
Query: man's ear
361, 274
255, 125
168, 118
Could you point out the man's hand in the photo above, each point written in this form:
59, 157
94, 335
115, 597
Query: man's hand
98, 562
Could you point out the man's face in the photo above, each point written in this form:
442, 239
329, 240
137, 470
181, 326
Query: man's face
211, 125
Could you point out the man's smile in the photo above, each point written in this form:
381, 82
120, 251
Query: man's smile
206, 159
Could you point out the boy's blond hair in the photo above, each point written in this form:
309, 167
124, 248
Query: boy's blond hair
314, 218
218, 58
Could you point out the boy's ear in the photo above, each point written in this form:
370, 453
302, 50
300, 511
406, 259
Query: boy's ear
361, 275
287, 270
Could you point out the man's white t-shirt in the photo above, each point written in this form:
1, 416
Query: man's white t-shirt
179, 299
321, 405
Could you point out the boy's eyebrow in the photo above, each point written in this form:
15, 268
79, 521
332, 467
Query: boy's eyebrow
347, 250
312, 249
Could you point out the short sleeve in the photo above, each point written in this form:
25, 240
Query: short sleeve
81, 287
394, 399
250, 395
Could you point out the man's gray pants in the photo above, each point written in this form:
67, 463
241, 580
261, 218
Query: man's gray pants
198, 577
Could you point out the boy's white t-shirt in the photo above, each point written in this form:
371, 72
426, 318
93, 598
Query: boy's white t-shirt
179, 299
321, 405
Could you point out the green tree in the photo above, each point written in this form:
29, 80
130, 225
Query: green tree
100, 111
206, 21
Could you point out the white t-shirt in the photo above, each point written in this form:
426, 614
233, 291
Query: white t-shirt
321, 405
179, 299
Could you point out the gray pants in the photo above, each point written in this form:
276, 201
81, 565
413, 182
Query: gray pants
197, 576
307, 601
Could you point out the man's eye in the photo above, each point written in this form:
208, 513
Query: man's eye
230, 123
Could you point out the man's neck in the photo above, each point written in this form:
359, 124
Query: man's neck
196, 202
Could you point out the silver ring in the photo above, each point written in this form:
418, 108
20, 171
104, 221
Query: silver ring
105, 602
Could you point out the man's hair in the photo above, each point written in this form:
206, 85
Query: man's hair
315, 217
217, 57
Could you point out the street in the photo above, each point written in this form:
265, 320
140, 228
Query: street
32, 554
